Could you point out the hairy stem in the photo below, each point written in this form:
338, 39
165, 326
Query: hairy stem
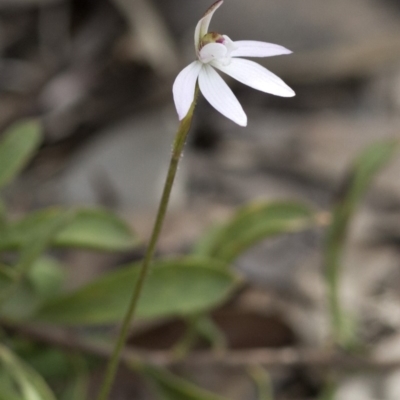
178, 146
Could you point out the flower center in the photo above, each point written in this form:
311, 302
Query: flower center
215, 47
211, 37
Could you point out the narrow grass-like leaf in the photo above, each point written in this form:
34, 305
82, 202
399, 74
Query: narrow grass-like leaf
8, 391
172, 387
357, 182
174, 287
207, 329
250, 225
17, 147
263, 382
95, 229
31, 385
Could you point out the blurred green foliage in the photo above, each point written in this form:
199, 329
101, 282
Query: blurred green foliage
354, 187
32, 283
177, 286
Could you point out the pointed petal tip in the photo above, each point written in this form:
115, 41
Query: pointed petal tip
287, 51
256, 76
214, 6
220, 96
180, 116
238, 118
286, 94
203, 24
290, 93
242, 122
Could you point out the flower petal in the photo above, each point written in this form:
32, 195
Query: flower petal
253, 48
230, 45
204, 23
212, 51
255, 76
220, 96
184, 88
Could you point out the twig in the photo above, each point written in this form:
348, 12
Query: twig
268, 358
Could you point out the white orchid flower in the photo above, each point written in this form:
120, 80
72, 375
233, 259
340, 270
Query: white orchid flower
215, 51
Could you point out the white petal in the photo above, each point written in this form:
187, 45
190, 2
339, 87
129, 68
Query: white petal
255, 76
252, 48
230, 45
184, 87
204, 23
220, 96
212, 51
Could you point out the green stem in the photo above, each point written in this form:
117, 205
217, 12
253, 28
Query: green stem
263, 382
335, 308
333, 260
179, 143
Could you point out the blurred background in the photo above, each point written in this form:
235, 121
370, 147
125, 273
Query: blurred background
98, 74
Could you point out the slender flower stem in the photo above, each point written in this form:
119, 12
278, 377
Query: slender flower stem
179, 143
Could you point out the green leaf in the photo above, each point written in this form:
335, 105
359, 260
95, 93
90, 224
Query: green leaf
35, 279
77, 389
43, 281
174, 287
31, 385
50, 362
47, 277
18, 298
357, 182
37, 243
8, 391
95, 229
17, 147
172, 387
3, 216
21, 303
251, 224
